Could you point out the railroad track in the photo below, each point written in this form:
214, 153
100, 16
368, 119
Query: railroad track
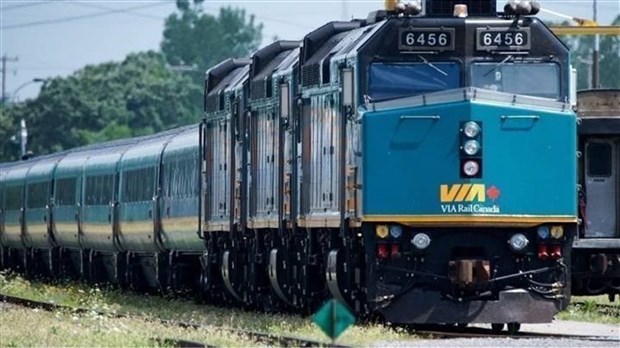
445, 331
259, 337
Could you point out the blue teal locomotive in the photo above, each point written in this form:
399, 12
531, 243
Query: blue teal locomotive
416, 165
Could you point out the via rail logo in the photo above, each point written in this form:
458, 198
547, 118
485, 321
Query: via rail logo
469, 199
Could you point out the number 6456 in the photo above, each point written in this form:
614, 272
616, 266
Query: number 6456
503, 39
426, 39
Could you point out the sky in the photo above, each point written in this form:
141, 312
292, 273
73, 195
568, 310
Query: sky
53, 38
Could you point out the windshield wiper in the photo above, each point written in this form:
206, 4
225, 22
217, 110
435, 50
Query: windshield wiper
433, 66
509, 57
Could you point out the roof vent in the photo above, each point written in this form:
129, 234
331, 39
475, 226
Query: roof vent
474, 7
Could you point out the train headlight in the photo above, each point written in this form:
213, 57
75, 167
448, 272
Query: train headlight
471, 168
421, 241
382, 231
471, 129
471, 147
396, 231
518, 242
543, 232
557, 232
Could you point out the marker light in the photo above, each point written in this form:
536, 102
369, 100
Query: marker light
557, 232
395, 251
396, 231
471, 147
518, 242
382, 231
471, 168
543, 232
382, 251
421, 241
556, 252
471, 129
460, 11
543, 253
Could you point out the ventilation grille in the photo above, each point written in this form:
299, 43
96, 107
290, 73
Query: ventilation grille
474, 7
310, 75
212, 103
257, 90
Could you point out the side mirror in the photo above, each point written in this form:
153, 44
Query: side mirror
284, 100
347, 87
573, 87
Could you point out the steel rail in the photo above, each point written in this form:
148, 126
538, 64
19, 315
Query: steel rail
446, 331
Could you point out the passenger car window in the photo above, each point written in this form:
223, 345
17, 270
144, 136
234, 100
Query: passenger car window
13, 198
99, 189
37, 195
65, 191
138, 185
181, 178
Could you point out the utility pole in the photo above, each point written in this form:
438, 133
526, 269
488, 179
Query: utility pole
5, 59
595, 52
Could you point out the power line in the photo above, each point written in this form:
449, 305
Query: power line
130, 12
75, 18
27, 4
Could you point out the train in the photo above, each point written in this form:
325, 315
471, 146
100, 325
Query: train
419, 165
596, 250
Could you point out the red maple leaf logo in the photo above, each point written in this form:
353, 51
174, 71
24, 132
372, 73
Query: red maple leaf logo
493, 193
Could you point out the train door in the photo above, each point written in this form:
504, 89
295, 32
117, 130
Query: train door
601, 181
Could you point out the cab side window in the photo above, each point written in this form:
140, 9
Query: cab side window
599, 159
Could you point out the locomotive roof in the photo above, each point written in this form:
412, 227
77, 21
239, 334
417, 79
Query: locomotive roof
218, 77
84, 151
227, 80
266, 60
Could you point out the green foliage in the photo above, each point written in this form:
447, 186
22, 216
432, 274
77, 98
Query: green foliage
199, 40
581, 57
103, 102
141, 95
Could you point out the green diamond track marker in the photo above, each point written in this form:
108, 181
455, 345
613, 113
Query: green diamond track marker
333, 318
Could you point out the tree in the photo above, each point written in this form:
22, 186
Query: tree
581, 57
102, 102
200, 40
610, 59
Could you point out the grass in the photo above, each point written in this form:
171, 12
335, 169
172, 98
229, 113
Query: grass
160, 307
601, 299
588, 310
21, 327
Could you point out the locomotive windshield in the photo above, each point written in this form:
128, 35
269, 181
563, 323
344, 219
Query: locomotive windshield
394, 80
533, 79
